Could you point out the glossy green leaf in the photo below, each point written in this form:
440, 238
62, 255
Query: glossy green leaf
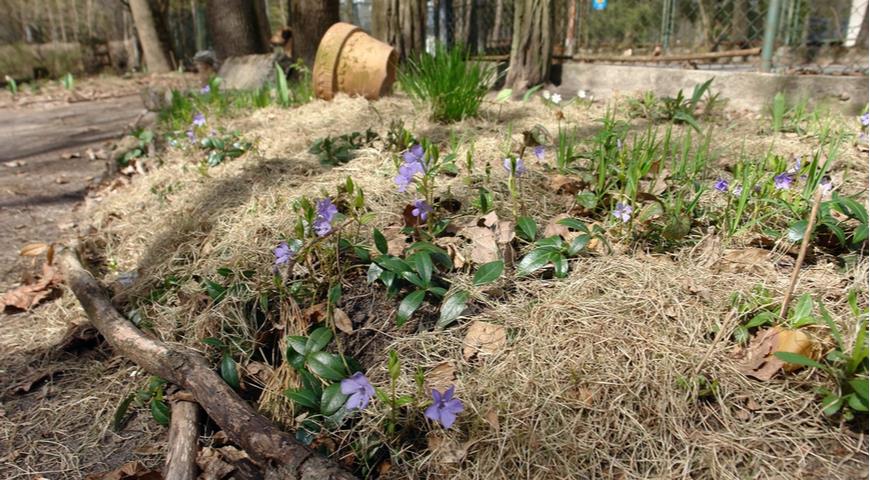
393, 264
488, 272
297, 343
319, 338
578, 244
796, 231
452, 308
303, 397
229, 371
797, 359
533, 261
380, 242
423, 264
160, 412
374, 272
409, 305
120, 416
560, 263
332, 399
326, 365
334, 294
526, 229
574, 224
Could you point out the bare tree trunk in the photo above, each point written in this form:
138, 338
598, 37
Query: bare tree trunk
89, 17
401, 23
309, 20
531, 48
155, 50
262, 13
271, 448
51, 24
61, 17
571, 28
496, 25
235, 27
76, 20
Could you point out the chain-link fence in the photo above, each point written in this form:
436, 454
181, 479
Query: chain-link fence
811, 36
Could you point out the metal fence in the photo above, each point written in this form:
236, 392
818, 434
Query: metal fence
809, 36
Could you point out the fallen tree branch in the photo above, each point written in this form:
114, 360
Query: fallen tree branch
183, 437
276, 451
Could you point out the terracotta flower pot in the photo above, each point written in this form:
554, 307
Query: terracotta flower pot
349, 60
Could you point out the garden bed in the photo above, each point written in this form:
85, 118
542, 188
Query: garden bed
630, 366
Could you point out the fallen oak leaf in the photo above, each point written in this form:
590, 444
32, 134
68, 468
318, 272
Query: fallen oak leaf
441, 377
760, 361
483, 338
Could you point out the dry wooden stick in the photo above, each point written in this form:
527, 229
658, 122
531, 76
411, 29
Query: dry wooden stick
183, 437
808, 233
276, 451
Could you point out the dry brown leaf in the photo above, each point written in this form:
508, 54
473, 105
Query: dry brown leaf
483, 338
396, 240
744, 260
441, 377
260, 371
554, 228
491, 417
28, 295
759, 360
129, 471
33, 379
446, 450
212, 465
453, 245
484, 248
563, 184
342, 321
315, 313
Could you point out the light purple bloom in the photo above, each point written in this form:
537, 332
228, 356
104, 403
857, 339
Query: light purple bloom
205, 89
517, 167
826, 185
721, 185
283, 253
413, 165
421, 210
326, 211
444, 407
783, 181
360, 390
865, 119
623, 212
199, 119
797, 166
191, 136
738, 190
539, 152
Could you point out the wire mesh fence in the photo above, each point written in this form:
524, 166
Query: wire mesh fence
810, 37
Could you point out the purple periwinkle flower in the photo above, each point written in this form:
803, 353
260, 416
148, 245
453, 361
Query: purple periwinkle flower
737, 191
413, 164
539, 152
826, 185
721, 185
865, 119
421, 210
444, 407
360, 390
191, 136
623, 212
516, 167
326, 211
796, 168
199, 119
783, 181
206, 89
283, 253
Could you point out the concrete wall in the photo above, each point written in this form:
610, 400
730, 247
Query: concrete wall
744, 90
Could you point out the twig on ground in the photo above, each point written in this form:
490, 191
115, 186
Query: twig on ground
808, 233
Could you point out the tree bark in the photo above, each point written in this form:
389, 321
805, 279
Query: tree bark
235, 28
531, 46
154, 49
401, 23
309, 20
183, 439
274, 450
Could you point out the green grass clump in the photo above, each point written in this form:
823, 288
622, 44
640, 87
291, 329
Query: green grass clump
452, 85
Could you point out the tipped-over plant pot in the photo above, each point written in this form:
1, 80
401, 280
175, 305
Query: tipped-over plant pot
349, 60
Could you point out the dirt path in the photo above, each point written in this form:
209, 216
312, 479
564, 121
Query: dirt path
45, 171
